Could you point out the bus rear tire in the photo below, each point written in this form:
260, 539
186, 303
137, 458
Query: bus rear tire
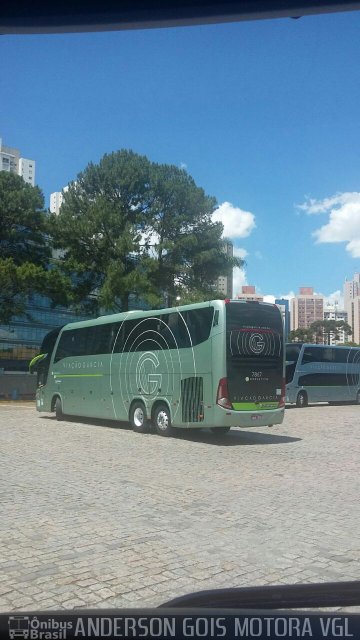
137, 418
302, 399
219, 431
162, 421
58, 409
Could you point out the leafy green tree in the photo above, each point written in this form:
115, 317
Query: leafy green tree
22, 221
101, 232
324, 329
317, 329
189, 247
301, 335
25, 254
129, 226
333, 327
18, 282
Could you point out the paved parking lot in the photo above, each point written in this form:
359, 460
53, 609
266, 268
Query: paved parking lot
94, 515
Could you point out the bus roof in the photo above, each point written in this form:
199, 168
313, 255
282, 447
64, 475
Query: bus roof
138, 313
323, 346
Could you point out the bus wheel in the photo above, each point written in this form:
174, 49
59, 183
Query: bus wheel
357, 401
302, 399
162, 420
220, 431
58, 409
138, 419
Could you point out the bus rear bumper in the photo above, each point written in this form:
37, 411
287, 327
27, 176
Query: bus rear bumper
228, 418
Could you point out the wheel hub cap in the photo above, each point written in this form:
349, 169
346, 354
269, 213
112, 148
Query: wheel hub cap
138, 417
162, 420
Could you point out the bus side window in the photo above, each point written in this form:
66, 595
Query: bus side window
81, 341
118, 337
175, 331
65, 345
101, 339
328, 355
311, 354
199, 322
342, 355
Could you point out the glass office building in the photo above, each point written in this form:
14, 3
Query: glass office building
21, 339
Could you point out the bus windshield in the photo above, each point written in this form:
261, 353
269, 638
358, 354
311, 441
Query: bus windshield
292, 355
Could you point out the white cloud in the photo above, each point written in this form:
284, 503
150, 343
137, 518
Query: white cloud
336, 296
239, 279
344, 220
237, 222
183, 165
287, 296
322, 206
239, 252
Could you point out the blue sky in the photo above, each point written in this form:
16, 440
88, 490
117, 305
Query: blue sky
264, 115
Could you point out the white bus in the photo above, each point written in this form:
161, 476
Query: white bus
322, 373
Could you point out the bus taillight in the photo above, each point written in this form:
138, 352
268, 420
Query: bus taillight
222, 396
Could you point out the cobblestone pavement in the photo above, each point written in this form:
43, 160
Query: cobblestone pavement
94, 515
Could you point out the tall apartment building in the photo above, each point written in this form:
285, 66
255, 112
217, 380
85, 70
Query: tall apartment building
355, 312
333, 313
11, 161
56, 200
352, 305
224, 284
248, 293
306, 308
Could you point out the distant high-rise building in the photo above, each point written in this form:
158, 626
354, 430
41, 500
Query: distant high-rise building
333, 313
56, 200
355, 313
306, 308
224, 283
10, 161
352, 304
283, 303
248, 293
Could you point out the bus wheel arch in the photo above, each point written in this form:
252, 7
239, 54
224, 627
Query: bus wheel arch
56, 406
161, 418
138, 417
302, 399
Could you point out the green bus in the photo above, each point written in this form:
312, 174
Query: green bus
214, 364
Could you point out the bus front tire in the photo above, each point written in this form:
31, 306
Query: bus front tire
58, 409
219, 431
138, 419
302, 400
162, 421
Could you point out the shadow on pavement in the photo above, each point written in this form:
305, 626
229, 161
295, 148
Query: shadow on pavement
235, 437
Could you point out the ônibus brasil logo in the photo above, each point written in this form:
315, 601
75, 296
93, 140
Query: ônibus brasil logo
30, 627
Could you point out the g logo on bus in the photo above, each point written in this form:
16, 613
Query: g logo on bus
256, 343
146, 377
